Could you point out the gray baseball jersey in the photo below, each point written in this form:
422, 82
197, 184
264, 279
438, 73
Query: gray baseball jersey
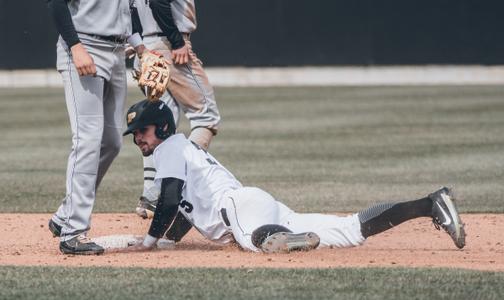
106, 18
183, 11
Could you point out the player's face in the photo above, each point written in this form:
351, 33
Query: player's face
146, 139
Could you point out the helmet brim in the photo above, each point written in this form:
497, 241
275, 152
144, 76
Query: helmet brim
132, 128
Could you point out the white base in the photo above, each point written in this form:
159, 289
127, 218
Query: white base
117, 241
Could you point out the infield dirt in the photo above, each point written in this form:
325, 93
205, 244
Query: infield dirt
26, 241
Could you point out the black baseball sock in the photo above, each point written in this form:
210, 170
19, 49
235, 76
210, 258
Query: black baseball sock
384, 216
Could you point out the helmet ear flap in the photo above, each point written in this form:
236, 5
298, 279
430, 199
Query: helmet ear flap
161, 133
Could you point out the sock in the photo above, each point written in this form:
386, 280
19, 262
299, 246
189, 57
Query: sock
384, 216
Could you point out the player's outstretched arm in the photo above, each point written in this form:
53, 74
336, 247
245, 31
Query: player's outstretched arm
166, 210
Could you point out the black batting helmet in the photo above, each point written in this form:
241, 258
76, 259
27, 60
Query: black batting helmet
146, 113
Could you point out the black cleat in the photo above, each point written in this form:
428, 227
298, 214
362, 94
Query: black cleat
146, 208
287, 242
54, 228
80, 245
445, 215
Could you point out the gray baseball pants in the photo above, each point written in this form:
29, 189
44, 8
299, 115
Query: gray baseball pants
95, 108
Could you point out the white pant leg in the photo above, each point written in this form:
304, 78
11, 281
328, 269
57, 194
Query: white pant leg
84, 99
249, 208
332, 230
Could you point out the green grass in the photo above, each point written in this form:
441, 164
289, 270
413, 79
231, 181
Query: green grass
318, 149
108, 283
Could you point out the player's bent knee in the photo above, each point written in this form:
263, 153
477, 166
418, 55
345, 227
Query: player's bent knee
261, 233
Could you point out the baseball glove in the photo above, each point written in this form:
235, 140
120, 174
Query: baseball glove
154, 76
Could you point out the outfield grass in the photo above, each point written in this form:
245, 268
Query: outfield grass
317, 149
107, 283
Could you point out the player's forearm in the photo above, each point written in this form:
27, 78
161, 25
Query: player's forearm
167, 207
135, 39
63, 21
163, 217
161, 10
179, 228
135, 21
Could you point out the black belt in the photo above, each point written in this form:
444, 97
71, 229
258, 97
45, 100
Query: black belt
109, 38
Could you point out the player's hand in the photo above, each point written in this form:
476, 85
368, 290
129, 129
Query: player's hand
83, 62
181, 55
165, 243
129, 52
140, 49
140, 247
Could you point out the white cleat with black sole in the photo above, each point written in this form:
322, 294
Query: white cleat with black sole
283, 242
445, 215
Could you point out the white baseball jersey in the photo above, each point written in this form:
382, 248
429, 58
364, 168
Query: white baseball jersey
205, 182
183, 11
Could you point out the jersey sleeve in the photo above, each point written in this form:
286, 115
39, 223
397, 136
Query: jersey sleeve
167, 206
162, 13
170, 161
179, 228
63, 21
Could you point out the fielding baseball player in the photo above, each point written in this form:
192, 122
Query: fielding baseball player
91, 61
166, 29
197, 187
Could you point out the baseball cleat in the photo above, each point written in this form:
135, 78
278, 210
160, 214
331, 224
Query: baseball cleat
54, 228
286, 242
445, 215
146, 208
80, 245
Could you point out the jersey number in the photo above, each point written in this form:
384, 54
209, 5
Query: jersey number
188, 207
